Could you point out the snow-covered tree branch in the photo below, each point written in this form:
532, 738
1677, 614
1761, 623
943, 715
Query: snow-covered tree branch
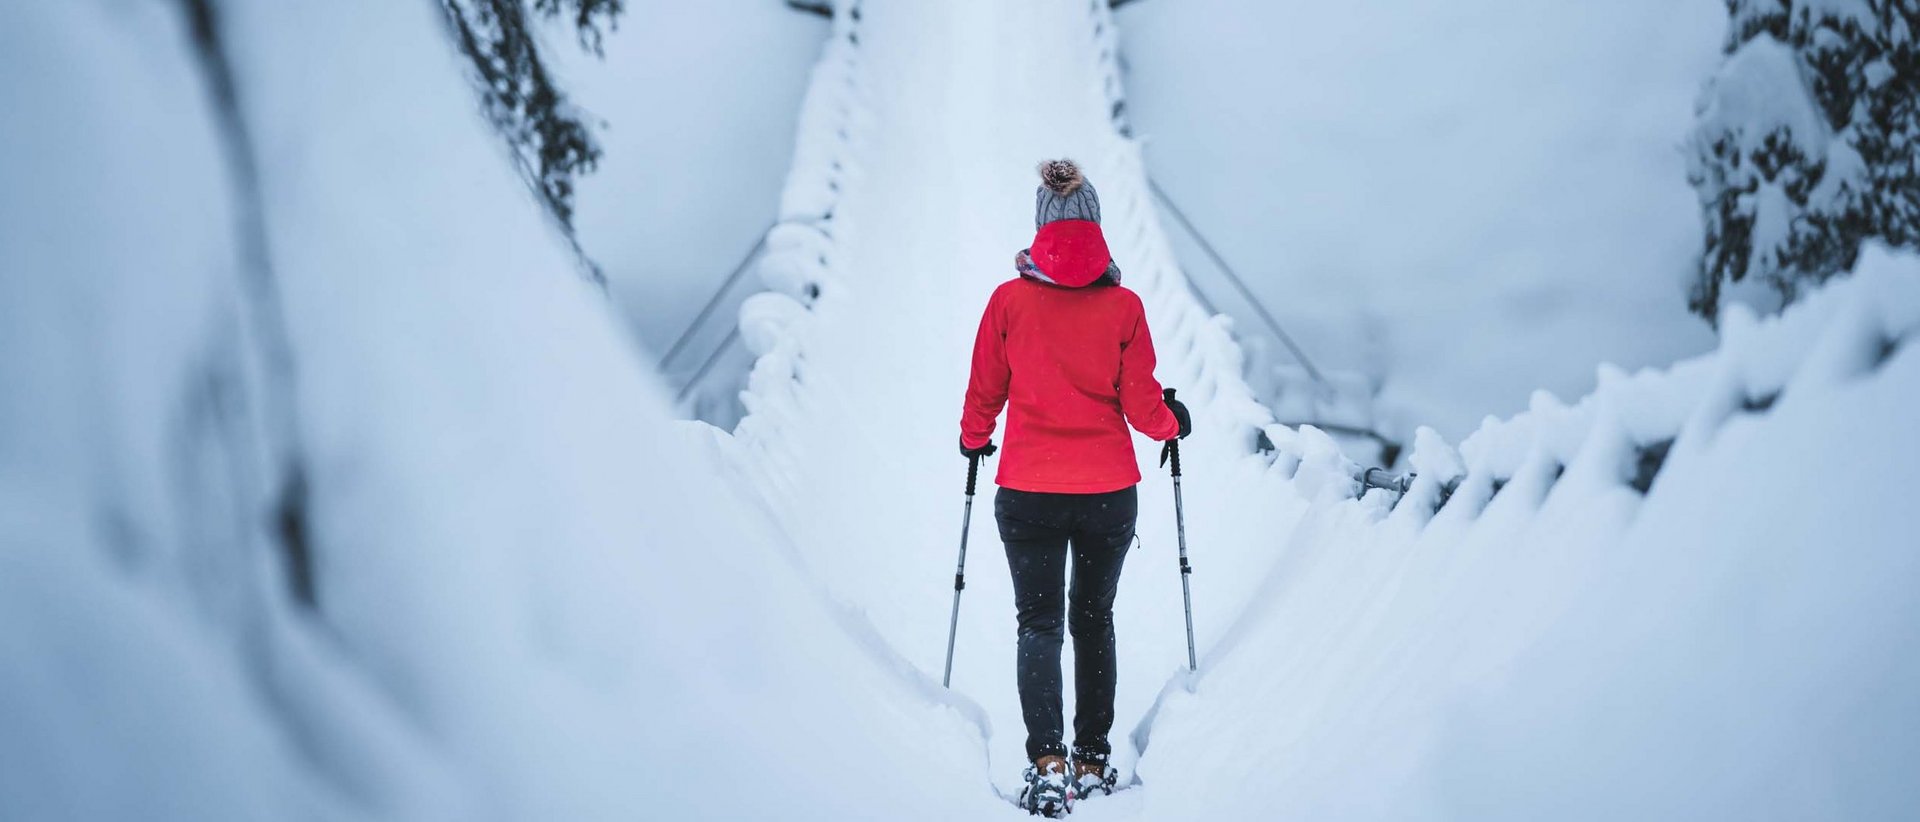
549, 136
1805, 146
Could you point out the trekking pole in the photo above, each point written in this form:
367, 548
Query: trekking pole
960, 572
1172, 451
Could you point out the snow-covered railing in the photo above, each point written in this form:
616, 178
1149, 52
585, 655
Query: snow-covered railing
801, 250
1624, 432
707, 404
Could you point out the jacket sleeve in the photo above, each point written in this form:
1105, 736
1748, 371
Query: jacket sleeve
987, 386
1140, 398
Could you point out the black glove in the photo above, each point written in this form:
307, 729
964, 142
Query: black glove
983, 451
1179, 410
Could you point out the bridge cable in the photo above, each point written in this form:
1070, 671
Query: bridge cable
725, 345
1238, 284
700, 320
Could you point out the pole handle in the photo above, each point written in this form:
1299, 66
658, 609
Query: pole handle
1170, 451
973, 472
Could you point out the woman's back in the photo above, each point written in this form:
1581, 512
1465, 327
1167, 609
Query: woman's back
1073, 366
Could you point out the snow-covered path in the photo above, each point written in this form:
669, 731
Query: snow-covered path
935, 204
1354, 643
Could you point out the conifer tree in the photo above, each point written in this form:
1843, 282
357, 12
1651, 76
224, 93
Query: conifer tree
1807, 146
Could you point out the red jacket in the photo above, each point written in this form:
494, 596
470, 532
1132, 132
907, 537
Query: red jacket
1073, 365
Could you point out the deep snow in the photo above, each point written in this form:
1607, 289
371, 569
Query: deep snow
542, 597
1739, 642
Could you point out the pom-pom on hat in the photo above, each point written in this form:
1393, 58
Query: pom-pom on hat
1064, 194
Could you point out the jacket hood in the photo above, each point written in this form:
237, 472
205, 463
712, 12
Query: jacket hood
1072, 253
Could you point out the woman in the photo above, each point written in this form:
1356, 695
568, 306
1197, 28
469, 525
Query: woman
1066, 349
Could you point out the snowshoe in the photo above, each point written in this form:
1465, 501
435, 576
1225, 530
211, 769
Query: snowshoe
1093, 775
1049, 790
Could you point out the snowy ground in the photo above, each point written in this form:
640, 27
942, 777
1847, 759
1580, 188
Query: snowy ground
541, 597
1739, 642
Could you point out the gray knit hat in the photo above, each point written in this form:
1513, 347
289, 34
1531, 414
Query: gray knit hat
1064, 194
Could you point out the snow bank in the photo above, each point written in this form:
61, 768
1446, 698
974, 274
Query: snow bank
1686, 596
150, 668
538, 595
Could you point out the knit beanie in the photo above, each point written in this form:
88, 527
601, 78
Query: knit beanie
1064, 194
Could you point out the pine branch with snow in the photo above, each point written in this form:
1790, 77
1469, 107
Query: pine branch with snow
1805, 146
549, 138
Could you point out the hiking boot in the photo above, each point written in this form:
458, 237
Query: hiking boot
1049, 790
1093, 775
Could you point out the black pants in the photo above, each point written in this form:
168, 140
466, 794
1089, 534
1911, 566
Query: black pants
1038, 530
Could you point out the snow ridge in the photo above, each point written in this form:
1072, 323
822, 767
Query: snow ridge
1640, 604
1626, 429
801, 264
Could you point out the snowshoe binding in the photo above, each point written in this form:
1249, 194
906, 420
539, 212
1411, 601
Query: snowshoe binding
1093, 775
1049, 790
